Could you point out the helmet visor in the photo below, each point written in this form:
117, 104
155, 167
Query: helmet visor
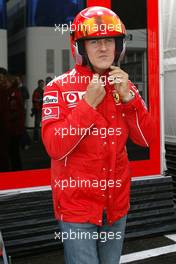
100, 26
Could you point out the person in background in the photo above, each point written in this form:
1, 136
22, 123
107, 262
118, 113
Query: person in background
25, 139
15, 122
37, 100
24, 91
90, 170
47, 80
4, 112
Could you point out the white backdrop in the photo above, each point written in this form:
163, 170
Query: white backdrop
168, 17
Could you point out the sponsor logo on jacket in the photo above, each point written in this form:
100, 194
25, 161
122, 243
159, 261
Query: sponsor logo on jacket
50, 113
50, 97
72, 97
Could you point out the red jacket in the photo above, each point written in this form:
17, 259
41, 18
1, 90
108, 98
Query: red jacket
84, 163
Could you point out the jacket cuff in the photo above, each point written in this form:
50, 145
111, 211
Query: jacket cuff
135, 103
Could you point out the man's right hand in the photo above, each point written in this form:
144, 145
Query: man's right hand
95, 91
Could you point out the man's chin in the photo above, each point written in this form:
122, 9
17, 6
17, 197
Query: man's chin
104, 66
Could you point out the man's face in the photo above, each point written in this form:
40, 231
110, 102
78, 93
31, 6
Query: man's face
18, 80
100, 52
41, 84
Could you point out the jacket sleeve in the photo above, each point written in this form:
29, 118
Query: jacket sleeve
57, 122
140, 122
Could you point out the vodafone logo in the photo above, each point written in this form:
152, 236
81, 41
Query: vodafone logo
50, 113
72, 97
47, 111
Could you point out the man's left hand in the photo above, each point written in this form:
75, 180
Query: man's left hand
120, 80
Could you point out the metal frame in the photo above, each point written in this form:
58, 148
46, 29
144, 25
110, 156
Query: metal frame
5, 260
153, 166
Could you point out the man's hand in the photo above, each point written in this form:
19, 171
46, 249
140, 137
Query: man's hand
120, 80
95, 91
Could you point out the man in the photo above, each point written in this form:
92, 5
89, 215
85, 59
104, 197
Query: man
15, 122
25, 138
37, 100
4, 114
48, 79
88, 114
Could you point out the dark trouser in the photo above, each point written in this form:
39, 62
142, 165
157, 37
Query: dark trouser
14, 153
37, 120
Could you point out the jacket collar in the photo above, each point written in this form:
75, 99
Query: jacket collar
86, 70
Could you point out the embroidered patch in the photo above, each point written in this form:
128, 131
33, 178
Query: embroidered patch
50, 97
50, 113
72, 97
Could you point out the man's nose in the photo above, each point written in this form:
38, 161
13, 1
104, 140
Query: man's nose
102, 44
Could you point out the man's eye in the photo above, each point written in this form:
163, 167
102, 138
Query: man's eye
94, 41
109, 39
